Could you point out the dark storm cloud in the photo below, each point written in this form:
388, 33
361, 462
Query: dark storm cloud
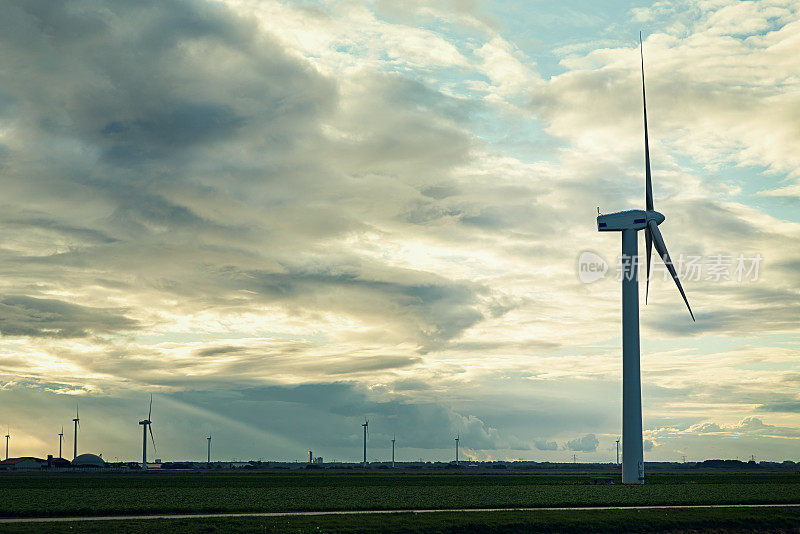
164, 131
786, 407
77, 233
544, 445
429, 308
27, 316
768, 309
587, 443
131, 81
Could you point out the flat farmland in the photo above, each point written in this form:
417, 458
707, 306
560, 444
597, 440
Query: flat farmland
79, 494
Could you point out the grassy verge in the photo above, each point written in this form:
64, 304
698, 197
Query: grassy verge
716, 520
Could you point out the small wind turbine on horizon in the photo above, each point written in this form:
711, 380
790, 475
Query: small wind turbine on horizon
393, 439
629, 223
147, 424
77, 423
8, 436
458, 437
365, 425
208, 460
60, 439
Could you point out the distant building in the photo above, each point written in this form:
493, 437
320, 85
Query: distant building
88, 460
25, 462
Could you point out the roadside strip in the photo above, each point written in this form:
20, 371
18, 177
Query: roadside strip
7, 520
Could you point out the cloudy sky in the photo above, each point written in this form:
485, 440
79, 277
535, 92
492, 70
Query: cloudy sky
281, 217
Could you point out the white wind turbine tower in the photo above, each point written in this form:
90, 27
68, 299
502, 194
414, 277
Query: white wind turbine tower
393, 439
60, 439
365, 425
209, 449
629, 223
458, 437
366, 433
145, 425
77, 422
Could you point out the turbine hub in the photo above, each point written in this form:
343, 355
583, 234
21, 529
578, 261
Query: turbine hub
655, 216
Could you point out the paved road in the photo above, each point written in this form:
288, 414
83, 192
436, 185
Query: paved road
361, 512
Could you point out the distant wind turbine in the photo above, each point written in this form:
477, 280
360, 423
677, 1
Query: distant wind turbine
393, 439
458, 436
60, 439
77, 423
629, 223
147, 424
8, 436
365, 425
208, 460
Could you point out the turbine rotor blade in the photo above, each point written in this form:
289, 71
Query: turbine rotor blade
150, 411
658, 241
649, 245
151, 437
648, 184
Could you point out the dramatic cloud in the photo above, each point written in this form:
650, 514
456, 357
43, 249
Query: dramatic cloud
282, 218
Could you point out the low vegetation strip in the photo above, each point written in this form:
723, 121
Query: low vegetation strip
717, 520
119, 494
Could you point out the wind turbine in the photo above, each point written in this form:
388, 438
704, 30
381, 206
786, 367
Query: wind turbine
77, 423
617, 452
60, 438
393, 437
209, 449
145, 425
8, 436
365, 425
629, 223
458, 436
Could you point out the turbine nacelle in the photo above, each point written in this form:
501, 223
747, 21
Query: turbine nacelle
628, 220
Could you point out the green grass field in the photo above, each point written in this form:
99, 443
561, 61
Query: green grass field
113, 494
